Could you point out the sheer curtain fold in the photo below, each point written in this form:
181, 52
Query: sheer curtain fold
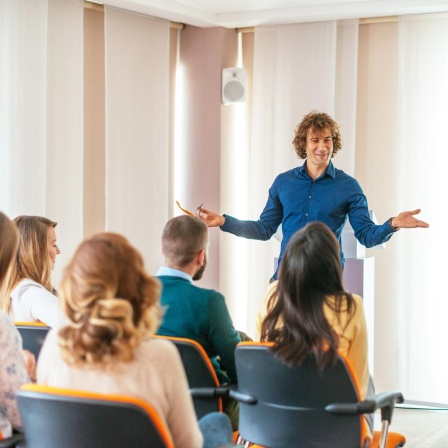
65, 124
297, 68
423, 65
346, 91
24, 48
137, 127
41, 114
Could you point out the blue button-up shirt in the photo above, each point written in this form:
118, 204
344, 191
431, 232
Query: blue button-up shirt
295, 199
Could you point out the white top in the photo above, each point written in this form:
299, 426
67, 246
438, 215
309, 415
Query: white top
12, 374
31, 302
156, 375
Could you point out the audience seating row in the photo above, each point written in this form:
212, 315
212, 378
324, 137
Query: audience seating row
280, 406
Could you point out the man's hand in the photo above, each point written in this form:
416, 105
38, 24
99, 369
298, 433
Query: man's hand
406, 220
211, 218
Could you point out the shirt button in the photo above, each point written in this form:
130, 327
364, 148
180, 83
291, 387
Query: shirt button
306, 214
309, 197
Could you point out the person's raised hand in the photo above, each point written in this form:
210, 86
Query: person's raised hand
211, 218
407, 220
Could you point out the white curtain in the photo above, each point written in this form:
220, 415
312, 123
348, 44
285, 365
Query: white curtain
41, 49
137, 127
65, 123
297, 68
420, 281
23, 107
346, 92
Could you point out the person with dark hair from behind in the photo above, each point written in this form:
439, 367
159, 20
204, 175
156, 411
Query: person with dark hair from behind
30, 295
308, 310
315, 191
17, 366
193, 312
112, 305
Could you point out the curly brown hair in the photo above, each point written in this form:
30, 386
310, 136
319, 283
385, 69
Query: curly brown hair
111, 303
317, 122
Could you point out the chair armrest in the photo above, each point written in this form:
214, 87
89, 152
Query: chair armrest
11, 441
384, 401
222, 391
210, 392
242, 397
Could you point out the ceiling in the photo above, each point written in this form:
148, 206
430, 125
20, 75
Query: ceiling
248, 13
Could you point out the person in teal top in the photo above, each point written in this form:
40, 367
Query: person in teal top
190, 311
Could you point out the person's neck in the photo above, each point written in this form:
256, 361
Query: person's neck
188, 269
315, 171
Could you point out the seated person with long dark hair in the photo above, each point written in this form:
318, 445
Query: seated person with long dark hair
308, 309
112, 305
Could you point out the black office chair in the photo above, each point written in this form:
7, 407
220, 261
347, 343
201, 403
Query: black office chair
205, 389
33, 335
55, 418
283, 406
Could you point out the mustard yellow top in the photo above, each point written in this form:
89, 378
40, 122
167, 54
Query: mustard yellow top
352, 337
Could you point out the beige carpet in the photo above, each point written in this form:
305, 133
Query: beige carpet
423, 428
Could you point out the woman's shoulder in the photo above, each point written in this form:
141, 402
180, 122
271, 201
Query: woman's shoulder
5, 320
26, 284
27, 287
356, 298
158, 346
158, 352
357, 311
358, 301
8, 331
330, 306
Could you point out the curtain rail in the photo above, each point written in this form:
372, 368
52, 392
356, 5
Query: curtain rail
100, 7
249, 29
363, 21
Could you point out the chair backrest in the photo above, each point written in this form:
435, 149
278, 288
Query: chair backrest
33, 335
290, 401
16, 440
54, 418
200, 373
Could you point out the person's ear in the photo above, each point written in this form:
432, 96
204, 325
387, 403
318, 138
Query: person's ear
201, 257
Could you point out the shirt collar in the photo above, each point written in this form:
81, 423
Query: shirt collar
331, 171
171, 272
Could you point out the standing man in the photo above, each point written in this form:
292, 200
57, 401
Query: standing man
315, 191
193, 312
